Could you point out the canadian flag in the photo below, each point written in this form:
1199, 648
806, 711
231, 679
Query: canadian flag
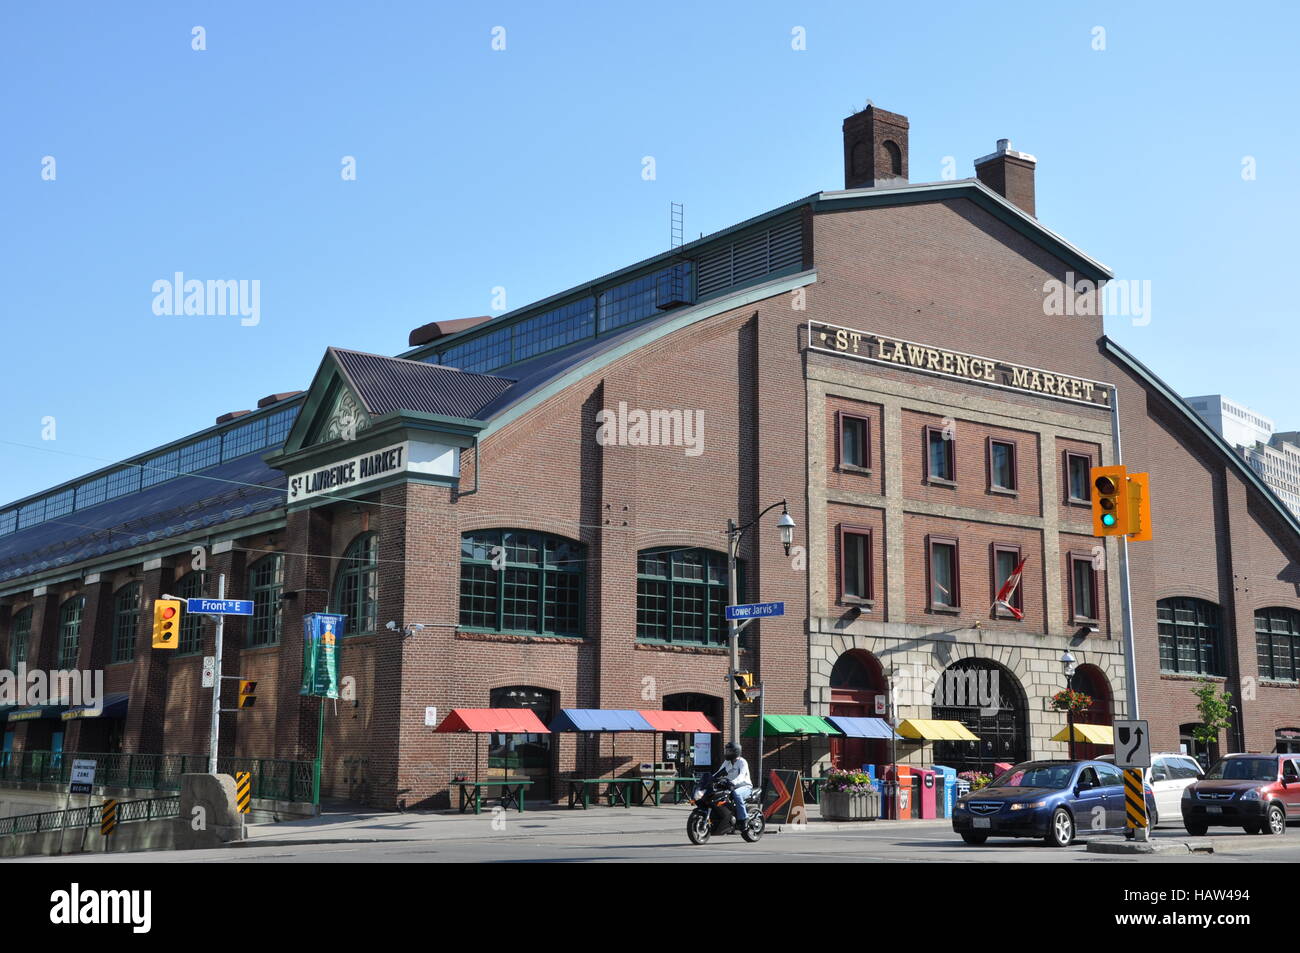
1009, 588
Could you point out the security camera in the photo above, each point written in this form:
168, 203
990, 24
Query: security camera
417, 627
390, 625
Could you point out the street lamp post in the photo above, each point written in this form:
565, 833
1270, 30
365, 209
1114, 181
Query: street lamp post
1067, 662
734, 533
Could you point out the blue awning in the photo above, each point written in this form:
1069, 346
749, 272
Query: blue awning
114, 707
863, 727
35, 712
599, 719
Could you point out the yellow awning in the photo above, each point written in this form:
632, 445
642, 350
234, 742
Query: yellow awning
1096, 734
924, 729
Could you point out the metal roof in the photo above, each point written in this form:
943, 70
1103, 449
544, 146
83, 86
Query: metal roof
387, 384
232, 490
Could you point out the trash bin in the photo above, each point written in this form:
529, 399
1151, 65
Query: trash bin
946, 796
924, 805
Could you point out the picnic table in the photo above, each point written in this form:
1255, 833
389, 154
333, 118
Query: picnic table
512, 792
652, 788
617, 791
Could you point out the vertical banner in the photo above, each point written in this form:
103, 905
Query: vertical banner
320, 657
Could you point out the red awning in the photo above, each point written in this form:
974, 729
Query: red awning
503, 721
678, 721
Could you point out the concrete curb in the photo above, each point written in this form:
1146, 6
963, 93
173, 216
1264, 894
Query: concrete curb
1150, 847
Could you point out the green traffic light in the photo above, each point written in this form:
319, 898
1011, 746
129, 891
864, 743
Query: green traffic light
1108, 519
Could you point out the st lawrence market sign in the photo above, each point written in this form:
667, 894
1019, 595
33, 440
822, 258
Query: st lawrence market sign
342, 475
896, 352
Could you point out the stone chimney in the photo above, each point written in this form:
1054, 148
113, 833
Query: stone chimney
1010, 174
875, 149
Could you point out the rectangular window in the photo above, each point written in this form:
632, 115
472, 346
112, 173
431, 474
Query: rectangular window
1077, 484
945, 580
855, 442
19, 635
855, 564
159, 469
1002, 465
940, 464
1083, 588
1005, 560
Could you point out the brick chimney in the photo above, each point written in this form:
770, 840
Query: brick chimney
875, 148
1010, 174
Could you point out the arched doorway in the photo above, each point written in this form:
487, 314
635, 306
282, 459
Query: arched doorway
526, 756
857, 680
684, 755
986, 698
1092, 681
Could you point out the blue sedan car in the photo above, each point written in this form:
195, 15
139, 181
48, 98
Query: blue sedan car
1056, 801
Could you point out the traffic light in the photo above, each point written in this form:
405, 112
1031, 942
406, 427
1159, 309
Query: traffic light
166, 623
246, 697
1139, 506
1110, 501
744, 682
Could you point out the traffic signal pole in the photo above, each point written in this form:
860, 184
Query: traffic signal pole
215, 733
1140, 834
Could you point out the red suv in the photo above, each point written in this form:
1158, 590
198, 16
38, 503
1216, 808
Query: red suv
1257, 792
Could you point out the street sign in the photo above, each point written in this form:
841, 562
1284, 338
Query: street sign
209, 671
756, 610
1132, 744
83, 777
431, 716
220, 606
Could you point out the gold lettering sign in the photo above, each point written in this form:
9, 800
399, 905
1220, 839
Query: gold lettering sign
882, 349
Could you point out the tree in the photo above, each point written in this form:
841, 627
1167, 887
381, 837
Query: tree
1214, 708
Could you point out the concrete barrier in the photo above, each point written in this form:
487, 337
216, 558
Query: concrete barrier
209, 812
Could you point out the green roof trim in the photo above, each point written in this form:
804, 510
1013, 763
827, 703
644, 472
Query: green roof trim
1243, 468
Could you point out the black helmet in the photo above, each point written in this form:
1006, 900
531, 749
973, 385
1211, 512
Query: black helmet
731, 751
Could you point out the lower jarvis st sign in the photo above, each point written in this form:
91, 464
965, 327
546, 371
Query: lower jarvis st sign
883, 349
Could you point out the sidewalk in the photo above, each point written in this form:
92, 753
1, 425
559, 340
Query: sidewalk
539, 822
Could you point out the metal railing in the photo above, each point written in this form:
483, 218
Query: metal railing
275, 779
148, 809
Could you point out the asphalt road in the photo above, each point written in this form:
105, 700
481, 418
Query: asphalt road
923, 842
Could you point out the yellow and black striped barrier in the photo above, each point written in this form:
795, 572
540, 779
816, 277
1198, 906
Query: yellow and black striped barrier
244, 791
1135, 802
108, 817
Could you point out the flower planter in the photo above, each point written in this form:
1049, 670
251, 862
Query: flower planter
843, 806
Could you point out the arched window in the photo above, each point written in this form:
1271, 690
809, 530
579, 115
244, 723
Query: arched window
70, 631
265, 585
356, 588
893, 155
19, 634
191, 586
1277, 643
1189, 636
523, 582
681, 596
126, 621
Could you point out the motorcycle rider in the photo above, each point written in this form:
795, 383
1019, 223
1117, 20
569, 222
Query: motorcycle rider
736, 769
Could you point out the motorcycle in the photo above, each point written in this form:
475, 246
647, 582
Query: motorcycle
715, 812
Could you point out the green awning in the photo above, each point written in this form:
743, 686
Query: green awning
792, 725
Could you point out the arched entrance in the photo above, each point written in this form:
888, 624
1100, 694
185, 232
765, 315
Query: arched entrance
1092, 681
986, 698
527, 756
857, 680
710, 706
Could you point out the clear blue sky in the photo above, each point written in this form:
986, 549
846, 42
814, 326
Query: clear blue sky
522, 168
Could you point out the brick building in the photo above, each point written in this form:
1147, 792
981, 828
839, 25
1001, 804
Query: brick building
537, 503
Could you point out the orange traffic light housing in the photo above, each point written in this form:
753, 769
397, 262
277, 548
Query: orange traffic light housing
1139, 506
166, 623
246, 697
1110, 501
